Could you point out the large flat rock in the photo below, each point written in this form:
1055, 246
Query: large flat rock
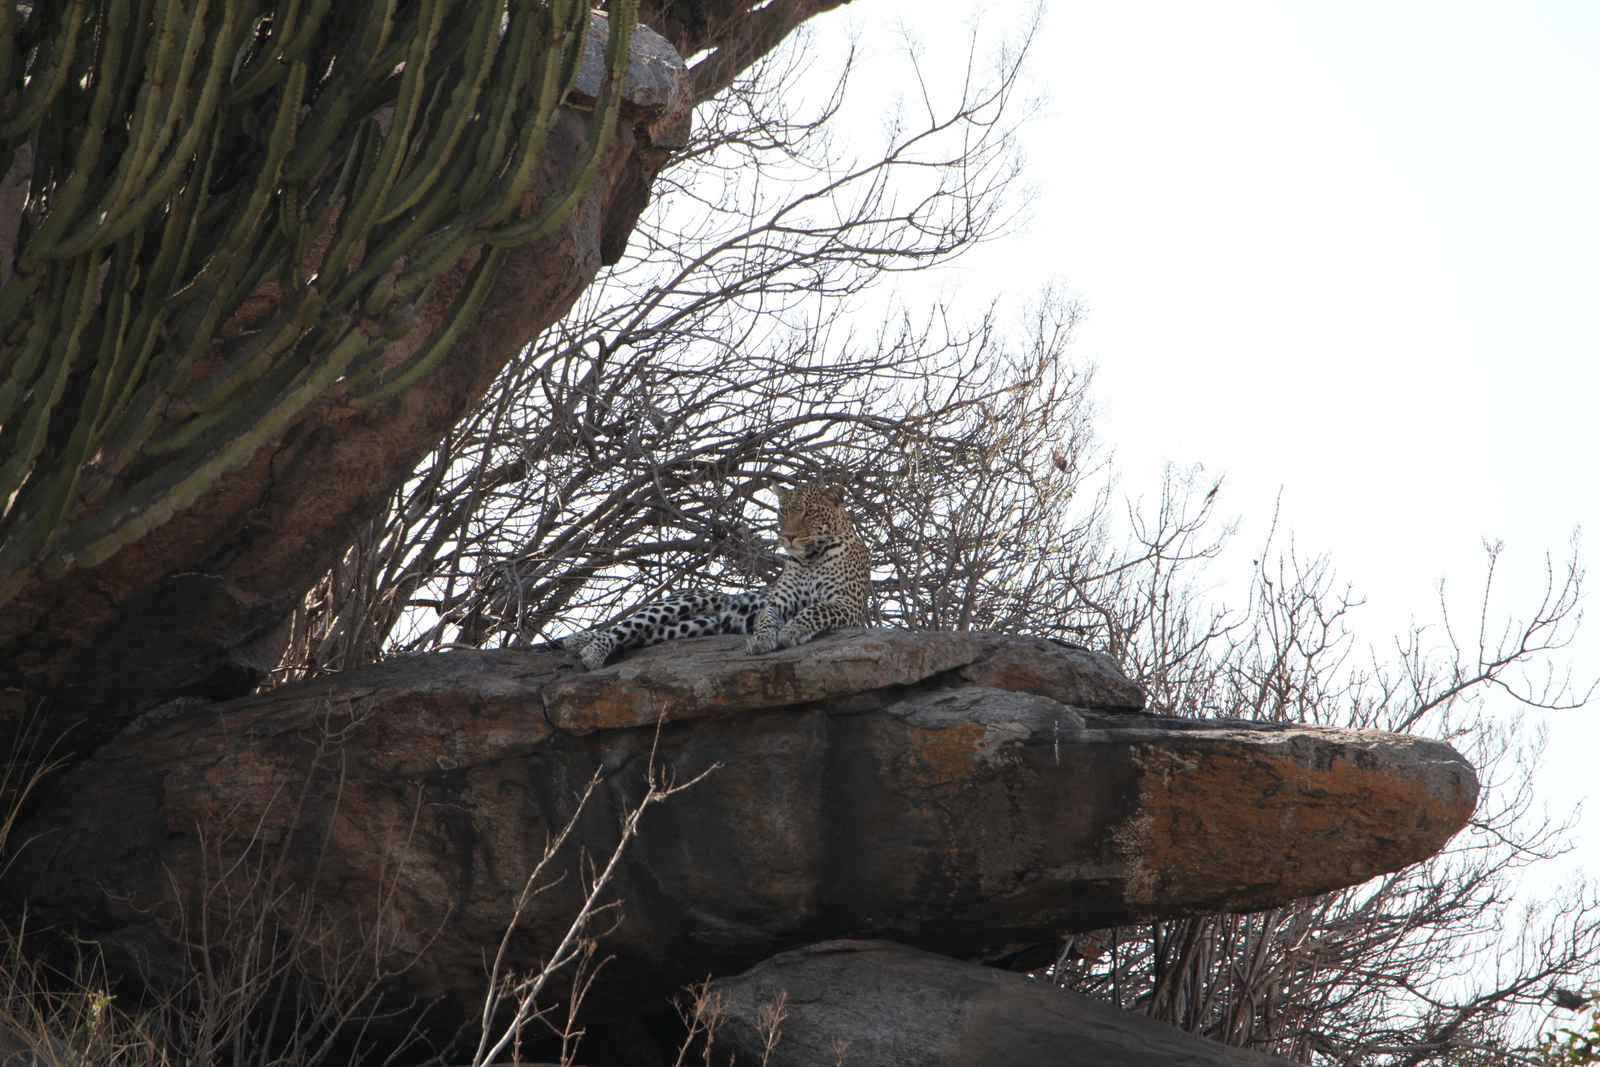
865, 789
886, 1005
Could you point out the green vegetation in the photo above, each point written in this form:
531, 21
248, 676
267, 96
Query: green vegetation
305, 169
1572, 1048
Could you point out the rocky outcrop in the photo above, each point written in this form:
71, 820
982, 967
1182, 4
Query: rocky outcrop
878, 1004
860, 786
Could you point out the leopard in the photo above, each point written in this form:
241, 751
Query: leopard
824, 585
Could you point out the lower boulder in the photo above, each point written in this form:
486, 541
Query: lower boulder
880, 1004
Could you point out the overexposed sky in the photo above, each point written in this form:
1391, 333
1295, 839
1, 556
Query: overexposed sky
1346, 251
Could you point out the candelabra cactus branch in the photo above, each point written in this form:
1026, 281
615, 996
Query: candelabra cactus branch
185, 158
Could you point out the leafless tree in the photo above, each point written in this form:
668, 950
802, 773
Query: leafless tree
620, 453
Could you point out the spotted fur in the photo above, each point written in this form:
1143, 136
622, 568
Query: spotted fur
823, 585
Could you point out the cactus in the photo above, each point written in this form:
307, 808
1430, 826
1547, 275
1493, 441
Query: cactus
187, 155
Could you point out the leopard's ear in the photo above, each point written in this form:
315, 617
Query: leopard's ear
834, 494
782, 494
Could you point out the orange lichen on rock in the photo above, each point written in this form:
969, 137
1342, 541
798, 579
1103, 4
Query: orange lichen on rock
950, 753
1193, 823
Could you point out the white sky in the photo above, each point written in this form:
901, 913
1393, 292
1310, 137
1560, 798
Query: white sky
1350, 250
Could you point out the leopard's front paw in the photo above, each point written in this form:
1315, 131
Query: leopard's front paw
576, 642
756, 644
592, 648
788, 637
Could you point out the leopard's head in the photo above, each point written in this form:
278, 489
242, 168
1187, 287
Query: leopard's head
811, 518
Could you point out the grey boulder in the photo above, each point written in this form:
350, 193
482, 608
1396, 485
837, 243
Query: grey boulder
879, 1004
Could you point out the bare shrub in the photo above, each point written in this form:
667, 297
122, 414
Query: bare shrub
67, 1016
521, 994
618, 455
702, 1012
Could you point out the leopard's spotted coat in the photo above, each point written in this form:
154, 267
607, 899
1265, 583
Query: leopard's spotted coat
824, 585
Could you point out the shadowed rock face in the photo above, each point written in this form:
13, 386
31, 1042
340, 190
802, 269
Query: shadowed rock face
858, 786
894, 1005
